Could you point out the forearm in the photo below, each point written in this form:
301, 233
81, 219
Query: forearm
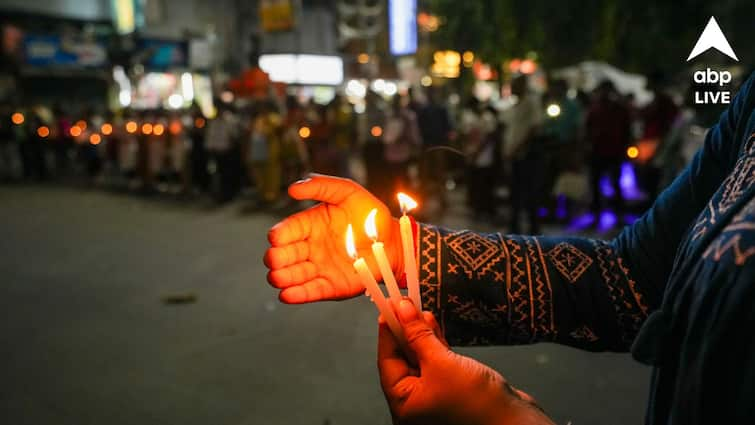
493, 289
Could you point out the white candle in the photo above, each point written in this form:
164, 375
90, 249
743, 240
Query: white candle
407, 242
372, 287
378, 250
410, 262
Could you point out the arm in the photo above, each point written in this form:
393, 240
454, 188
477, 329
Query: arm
591, 294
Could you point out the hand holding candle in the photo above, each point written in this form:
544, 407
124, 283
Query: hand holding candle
372, 287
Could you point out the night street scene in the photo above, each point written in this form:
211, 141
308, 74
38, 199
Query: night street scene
373, 212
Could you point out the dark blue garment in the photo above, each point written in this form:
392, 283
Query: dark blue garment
678, 286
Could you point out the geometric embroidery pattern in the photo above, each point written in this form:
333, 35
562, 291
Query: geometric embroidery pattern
471, 248
569, 261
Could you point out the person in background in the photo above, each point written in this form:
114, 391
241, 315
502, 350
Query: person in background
323, 152
370, 133
294, 155
608, 131
435, 129
126, 129
342, 124
265, 152
481, 170
523, 121
561, 130
219, 141
401, 140
63, 142
196, 126
657, 118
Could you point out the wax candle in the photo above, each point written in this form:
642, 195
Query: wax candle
407, 242
372, 287
378, 251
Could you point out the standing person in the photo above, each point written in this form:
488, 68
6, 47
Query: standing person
435, 129
265, 152
342, 124
401, 140
322, 147
63, 141
656, 118
608, 131
219, 139
520, 148
370, 132
561, 130
481, 161
294, 155
196, 127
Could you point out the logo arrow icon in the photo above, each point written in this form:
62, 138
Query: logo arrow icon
712, 37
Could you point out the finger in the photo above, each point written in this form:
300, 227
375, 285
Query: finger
419, 335
292, 275
430, 320
392, 365
318, 289
293, 229
284, 256
328, 189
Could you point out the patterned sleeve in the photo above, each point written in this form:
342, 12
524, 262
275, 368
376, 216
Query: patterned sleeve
489, 289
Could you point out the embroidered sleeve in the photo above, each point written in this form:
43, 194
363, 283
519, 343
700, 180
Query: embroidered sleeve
492, 289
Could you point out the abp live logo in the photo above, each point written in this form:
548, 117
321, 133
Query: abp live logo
712, 38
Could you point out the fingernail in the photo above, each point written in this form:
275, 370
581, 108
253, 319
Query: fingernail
302, 181
406, 311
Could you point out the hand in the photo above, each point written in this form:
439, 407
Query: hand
307, 258
445, 388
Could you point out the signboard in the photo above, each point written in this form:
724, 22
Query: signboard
163, 54
52, 50
402, 26
303, 69
276, 15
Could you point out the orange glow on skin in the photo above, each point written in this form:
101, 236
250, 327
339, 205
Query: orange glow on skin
95, 139
158, 129
376, 131
147, 128
131, 127
18, 118
106, 129
75, 131
43, 131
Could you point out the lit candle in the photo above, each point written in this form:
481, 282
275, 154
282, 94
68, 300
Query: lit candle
378, 250
407, 242
372, 287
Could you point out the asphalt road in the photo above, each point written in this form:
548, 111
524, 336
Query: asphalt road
86, 339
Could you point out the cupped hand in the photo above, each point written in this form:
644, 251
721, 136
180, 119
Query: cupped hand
441, 387
307, 257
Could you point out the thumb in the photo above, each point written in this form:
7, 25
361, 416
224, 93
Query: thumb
419, 335
328, 189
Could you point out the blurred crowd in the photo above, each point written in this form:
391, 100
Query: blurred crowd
538, 156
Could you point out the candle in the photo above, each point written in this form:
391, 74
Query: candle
378, 250
372, 287
407, 242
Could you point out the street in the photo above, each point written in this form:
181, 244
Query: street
88, 339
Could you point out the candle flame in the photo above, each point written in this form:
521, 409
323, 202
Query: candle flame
350, 246
406, 202
369, 225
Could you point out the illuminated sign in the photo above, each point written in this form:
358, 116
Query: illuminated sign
402, 26
303, 69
